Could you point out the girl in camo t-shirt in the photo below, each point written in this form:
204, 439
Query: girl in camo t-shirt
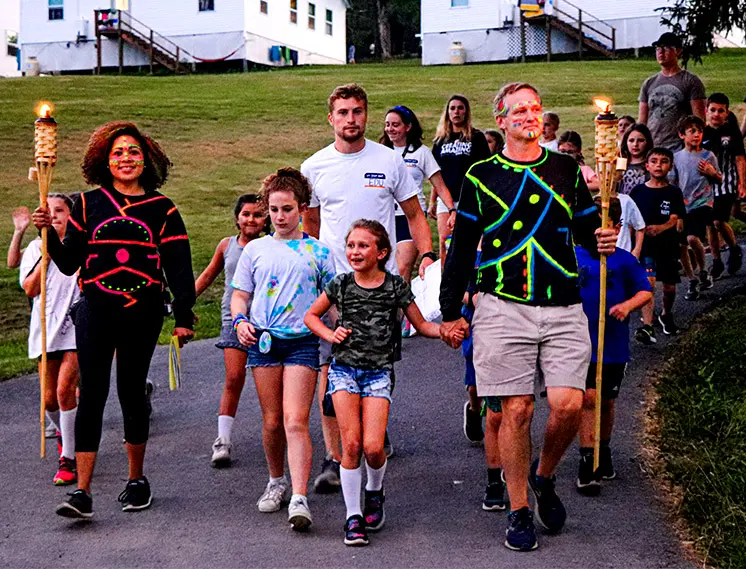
365, 346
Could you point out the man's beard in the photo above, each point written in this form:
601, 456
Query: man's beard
352, 135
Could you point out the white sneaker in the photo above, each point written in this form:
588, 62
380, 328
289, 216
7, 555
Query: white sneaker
276, 494
299, 515
221, 453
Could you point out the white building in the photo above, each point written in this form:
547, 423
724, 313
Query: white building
10, 17
61, 34
489, 30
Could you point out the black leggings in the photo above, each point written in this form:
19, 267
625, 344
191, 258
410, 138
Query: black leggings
132, 333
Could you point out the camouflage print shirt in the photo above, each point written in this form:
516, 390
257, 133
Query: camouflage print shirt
371, 314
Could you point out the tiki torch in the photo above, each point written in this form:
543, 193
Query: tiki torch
45, 154
606, 150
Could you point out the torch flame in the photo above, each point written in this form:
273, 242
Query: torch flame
604, 105
45, 111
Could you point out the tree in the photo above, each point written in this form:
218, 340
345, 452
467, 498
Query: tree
384, 27
697, 20
368, 22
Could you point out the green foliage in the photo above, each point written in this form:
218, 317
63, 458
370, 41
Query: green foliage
702, 409
697, 20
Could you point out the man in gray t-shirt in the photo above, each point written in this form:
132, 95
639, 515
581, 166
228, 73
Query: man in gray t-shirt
670, 95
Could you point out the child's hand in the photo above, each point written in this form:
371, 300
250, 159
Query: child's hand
652, 230
41, 218
21, 219
340, 335
246, 333
619, 311
706, 169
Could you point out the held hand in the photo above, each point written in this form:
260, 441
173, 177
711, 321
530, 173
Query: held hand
619, 311
451, 223
21, 219
41, 218
606, 239
183, 334
432, 211
340, 335
424, 265
454, 332
246, 333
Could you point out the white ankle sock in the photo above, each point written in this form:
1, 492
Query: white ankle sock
54, 418
278, 480
225, 426
67, 428
352, 481
375, 477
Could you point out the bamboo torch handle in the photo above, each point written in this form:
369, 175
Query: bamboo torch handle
606, 179
45, 179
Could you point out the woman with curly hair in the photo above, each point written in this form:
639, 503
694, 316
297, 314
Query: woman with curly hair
124, 237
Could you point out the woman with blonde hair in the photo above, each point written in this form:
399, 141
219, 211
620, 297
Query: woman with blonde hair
456, 146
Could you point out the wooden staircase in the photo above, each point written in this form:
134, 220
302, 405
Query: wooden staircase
121, 27
592, 34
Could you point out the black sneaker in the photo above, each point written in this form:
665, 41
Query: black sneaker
521, 533
355, 533
136, 495
473, 425
550, 512
717, 270
494, 497
705, 282
328, 481
735, 259
587, 482
693, 292
669, 326
78, 506
605, 465
373, 510
645, 334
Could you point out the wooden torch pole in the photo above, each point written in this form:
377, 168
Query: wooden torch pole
606, 149
45, 153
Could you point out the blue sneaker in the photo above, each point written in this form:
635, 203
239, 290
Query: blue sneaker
550, 512
355, 532
521, 533
373, 511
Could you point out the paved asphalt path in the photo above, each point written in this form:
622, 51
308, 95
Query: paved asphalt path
203, 517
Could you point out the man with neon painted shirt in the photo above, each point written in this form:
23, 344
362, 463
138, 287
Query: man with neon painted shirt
527, 205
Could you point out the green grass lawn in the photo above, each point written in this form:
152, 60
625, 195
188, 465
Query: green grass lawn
225, 133
701, 416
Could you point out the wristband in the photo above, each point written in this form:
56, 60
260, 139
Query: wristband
238, 319
451, 210
430, 255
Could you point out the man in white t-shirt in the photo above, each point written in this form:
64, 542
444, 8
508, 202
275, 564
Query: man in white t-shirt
356, 178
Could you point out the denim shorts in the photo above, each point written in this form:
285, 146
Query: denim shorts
228, 339
356, 381
303, 351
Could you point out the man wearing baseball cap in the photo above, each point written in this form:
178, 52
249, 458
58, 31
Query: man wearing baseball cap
670, 95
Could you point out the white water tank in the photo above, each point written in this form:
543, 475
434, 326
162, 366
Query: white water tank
82, 28
31, 67
457, 52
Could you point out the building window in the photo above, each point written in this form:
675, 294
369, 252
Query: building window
459, 3
293, 11
329, 22
263, 8
56, 9
206, 5
311, 16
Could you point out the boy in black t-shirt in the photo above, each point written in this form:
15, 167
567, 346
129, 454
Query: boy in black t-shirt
723, 138
661, 205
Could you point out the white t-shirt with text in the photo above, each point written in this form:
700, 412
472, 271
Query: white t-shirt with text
421, 165
361, 185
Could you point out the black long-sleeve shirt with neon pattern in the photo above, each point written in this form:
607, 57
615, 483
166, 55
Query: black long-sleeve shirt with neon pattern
528, 216
123, 245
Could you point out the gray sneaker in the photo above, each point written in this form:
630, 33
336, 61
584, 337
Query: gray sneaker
275, 496
299, 515
221, 453
328, 481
